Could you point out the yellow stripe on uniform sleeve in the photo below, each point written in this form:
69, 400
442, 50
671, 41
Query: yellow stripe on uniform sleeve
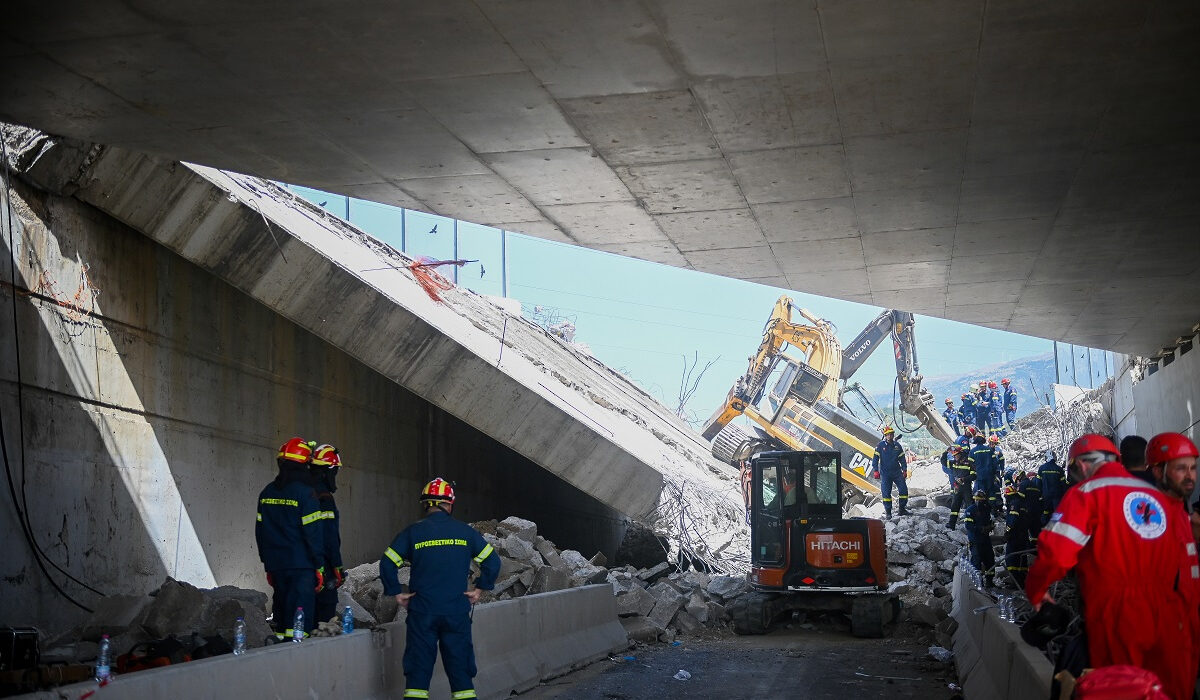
391, 554
259, 517
311, 518
483, 554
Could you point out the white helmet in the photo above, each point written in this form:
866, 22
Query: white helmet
974, 387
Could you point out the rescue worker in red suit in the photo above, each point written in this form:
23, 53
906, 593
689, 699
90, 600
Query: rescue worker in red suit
1172, 459
1117, 533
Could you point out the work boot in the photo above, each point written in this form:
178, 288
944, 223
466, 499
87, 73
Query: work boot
952, 522
903, 511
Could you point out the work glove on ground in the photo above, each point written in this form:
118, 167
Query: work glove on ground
320, 578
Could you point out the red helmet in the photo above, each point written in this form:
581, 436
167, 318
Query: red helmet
966, 396
994, 439
991, 385
971, 430
949, 401
888, 430
438, 491
1165, 447
1005, 381
326, 456
296, 450
1091, 442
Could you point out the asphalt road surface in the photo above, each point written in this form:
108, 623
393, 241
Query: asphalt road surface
809, 662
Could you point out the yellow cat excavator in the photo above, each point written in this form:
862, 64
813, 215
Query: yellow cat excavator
798, 401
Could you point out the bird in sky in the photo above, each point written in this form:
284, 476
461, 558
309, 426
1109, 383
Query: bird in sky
482, 270
434, 229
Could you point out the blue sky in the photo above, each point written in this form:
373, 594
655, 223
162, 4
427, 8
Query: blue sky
643, 318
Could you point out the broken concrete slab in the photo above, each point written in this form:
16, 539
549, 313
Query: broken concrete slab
686, 623
548, 551
727, 587
522, 528
635, 602
655, 572
549, 579
640, 629
177, 606
520, 549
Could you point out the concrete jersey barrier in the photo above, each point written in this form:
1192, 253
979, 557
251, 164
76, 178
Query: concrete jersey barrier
993, 661
518, 643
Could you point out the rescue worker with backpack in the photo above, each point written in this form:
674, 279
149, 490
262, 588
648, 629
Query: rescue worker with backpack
890, 466
290, 540
326, 463
440, 550
1117, 533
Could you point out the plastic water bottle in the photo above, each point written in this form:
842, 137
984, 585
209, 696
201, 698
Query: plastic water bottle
239, 637
103, 659
347, 620
298, 626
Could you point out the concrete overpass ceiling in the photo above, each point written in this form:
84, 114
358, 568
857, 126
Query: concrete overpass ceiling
1023, 165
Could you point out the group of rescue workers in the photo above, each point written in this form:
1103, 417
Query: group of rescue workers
989, 408
1120, 518
299, 543
988, 412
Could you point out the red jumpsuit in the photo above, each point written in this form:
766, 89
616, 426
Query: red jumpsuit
1122, 538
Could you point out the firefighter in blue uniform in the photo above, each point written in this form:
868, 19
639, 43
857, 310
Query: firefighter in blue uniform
978, 521
985, 472
890, 466
1010, 404
951, 416
966, 412
440, 550
290, 540
997, 470
995, 409
1054, 486
962, 471
980, 404
326, 463
1022, 524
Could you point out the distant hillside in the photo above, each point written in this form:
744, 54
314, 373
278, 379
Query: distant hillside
1031, 376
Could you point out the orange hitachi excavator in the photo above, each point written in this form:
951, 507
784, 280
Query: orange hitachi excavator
798, 400
804, 555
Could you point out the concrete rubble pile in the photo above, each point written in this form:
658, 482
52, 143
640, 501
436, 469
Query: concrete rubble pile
176, 609
654, 602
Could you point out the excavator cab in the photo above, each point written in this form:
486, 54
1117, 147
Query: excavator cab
804, 554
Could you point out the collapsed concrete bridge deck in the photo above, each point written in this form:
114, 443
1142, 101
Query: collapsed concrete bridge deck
231, 315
